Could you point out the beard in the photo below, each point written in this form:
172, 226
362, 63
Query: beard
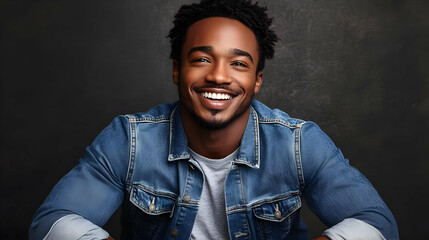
216, 124
213, 123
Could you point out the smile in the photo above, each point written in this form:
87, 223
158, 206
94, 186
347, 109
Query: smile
216, 96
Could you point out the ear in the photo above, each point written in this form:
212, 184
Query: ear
176, 71
258, 82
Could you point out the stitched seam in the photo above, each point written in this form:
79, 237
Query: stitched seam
241, 186
154, 192
278, 121
256, 130
171, 134
299, 160
180, 157
261, 202
243, 199
190, 203
152, 119
131, 160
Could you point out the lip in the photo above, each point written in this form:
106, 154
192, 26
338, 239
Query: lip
216, 104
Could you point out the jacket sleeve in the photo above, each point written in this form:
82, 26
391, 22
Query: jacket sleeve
334, 190
94, 189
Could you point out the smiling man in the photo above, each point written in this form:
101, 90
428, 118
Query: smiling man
217, 164
217, 77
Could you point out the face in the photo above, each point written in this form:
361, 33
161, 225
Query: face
217, 75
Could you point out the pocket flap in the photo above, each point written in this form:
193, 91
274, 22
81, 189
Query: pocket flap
279, 209
152, 202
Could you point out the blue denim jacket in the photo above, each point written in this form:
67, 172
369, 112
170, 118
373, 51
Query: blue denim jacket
143, 161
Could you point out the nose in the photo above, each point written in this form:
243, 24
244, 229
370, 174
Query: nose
219, 74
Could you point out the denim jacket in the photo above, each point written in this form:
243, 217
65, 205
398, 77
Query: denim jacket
143, 161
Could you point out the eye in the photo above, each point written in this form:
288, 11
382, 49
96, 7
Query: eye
201, 60
240, 64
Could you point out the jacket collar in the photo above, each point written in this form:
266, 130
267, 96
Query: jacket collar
248, 154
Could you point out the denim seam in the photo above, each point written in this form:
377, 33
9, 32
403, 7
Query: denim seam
243, 200
154, 192
152, 119
131, 160
257, 150
261, 202
190, 203
256, 130
298, 159
279, 121
170, 150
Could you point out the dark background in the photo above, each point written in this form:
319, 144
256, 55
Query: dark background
357, 68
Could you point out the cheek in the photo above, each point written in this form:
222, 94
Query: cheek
189, 76
249, 82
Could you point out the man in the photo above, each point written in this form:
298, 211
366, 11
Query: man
217, 164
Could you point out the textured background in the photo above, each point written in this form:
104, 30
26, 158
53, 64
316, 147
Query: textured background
357, 68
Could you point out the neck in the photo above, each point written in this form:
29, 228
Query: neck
214, 143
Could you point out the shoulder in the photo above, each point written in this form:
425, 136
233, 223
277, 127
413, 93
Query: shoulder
267, 115
160, 112
122, 129
313, 142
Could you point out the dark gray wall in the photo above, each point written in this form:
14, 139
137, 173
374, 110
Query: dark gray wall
357, 68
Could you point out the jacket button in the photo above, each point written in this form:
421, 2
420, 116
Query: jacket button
174, 232
277, 214
152, 207
187, 198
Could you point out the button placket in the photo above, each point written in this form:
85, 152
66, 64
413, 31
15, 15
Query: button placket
187, 202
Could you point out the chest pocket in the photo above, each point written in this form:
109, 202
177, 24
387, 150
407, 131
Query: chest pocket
150, 213
152, 202
277, 217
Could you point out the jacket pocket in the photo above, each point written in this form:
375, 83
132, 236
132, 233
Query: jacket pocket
276, 217
152, 202
279, 208
147, 213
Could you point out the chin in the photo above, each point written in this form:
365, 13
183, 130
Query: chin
213, 124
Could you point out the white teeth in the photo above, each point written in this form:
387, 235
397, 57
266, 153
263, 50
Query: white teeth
216, 96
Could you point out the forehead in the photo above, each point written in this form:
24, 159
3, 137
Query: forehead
222, 34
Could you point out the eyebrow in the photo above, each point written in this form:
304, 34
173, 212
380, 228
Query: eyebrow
239, 52
201, 49
234, 51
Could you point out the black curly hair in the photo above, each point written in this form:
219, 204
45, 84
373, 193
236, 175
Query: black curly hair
251, 15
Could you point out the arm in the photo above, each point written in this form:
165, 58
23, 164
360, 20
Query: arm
334, 190
94, 189
72, 227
